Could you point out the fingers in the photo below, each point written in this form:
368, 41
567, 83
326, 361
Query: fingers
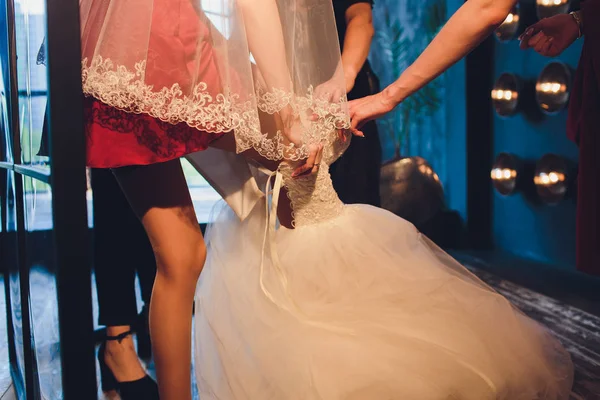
528, 35
356, 122
309, 165
540, 43
524, 38
354, 117
534, 28
543, 46
342, 135
536, 39
318, 160
358, 133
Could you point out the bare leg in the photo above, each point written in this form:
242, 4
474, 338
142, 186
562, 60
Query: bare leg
159, 195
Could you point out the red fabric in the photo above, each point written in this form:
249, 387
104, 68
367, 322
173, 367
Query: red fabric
583, 127
116, 138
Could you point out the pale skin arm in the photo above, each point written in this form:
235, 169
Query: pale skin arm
357, 43
263, 26
469, 26
272, 64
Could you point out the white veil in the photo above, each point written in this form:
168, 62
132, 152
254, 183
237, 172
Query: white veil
218, 64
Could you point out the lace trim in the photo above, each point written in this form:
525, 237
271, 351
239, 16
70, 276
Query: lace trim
126, 90
313, 198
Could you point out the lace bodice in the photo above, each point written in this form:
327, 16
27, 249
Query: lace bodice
313, 197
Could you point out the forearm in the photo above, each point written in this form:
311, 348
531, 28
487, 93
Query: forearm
468, 27
266, 41
357, 42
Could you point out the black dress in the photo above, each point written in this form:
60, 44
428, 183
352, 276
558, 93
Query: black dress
356, 174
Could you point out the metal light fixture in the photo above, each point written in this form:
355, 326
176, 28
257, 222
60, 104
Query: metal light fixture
411, 189
505, 94
505, 173
552, 87
510, 27
549, 8
551, 178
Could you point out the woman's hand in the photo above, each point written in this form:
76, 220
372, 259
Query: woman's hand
293, 133
368, 108
551, 36
312, 163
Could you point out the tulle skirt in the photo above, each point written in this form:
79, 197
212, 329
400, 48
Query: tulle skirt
382, 313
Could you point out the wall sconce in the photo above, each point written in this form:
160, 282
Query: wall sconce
505, 94
552, 87
510, 27
551, 178
549, 8
505, 173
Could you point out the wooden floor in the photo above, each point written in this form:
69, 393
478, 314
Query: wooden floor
578, 330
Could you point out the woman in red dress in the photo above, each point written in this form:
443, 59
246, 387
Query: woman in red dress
162, 81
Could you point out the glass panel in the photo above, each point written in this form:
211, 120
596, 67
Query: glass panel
9, 258
42, 285
30, 30
5, 137
5, 142
203, 195
89, 198
38, 205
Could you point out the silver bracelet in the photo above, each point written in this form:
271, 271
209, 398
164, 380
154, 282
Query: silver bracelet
577, 17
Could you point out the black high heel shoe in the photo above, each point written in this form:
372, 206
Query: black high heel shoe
141, 389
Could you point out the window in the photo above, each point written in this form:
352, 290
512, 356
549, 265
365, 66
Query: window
30, 20
203, 195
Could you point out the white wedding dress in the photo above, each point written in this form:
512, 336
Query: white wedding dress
356, 304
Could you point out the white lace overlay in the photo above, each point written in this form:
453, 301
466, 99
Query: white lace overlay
313, 197
127, 90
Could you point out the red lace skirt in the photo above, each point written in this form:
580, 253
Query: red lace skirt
116, 138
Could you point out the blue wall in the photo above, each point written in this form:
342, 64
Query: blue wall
440, 136
403, 28
456, 127
521, 225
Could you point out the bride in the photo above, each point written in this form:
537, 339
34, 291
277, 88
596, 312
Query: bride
355, 303
303, 297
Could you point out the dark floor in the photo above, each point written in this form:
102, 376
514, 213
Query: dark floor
5, 381
567, 305
578, 330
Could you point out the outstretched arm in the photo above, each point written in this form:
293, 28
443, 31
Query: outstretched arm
469, 26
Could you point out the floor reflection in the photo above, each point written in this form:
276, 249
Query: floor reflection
44, 311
